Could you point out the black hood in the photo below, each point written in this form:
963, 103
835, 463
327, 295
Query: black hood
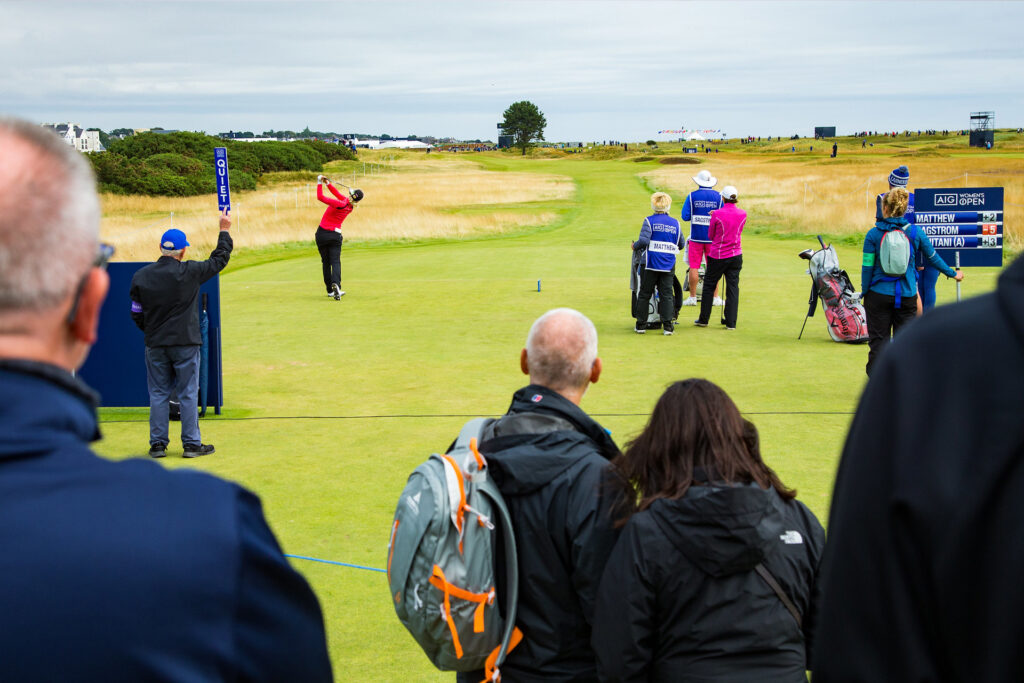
523, 463
722, 529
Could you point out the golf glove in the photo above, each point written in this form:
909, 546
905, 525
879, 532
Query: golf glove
319, 178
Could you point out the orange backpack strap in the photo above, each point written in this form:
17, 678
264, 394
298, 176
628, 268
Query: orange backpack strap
493, 675
438, 580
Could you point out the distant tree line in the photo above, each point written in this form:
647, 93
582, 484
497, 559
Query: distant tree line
181, 164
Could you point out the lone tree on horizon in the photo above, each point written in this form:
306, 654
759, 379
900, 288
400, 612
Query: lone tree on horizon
525, 123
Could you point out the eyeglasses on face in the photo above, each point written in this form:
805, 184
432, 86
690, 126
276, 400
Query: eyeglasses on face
104, 253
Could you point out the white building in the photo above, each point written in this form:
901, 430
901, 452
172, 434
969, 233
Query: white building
391, 144
76, 136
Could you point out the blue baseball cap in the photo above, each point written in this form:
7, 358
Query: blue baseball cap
173, 240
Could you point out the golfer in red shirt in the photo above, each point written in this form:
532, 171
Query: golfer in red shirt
328, 234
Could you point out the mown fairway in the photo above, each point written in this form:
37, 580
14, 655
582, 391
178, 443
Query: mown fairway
330, 405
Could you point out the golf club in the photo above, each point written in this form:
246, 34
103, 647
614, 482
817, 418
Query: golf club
958, 270
350, 190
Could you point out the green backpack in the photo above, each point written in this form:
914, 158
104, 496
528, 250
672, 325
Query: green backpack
441, 560
896, 251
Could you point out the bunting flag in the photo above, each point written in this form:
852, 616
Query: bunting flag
687, 131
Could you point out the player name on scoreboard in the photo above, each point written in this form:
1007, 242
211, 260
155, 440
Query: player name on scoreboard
964, 220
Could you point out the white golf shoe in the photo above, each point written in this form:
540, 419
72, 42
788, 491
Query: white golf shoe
718, 301
690, 301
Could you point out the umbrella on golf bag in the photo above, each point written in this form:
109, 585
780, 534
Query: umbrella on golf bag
844, 314
204, 358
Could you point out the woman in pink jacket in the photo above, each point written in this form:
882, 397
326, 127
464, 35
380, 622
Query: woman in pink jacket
328, 233
725, 257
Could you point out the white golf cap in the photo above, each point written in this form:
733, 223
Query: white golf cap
705, 179
729, 192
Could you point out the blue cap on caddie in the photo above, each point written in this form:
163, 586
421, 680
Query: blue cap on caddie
173, 240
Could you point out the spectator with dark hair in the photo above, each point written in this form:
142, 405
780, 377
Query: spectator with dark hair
714, 575
113, 571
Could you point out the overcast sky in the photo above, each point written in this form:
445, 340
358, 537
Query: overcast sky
598, 70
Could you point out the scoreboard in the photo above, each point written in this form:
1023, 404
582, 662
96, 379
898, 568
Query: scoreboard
968, 220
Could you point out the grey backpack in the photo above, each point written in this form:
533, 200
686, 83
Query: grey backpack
441, 560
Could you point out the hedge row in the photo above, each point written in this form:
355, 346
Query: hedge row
181, 164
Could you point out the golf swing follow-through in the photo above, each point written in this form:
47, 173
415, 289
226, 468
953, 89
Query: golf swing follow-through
328, 234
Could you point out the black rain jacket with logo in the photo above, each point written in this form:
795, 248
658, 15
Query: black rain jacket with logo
551, 463
680, 600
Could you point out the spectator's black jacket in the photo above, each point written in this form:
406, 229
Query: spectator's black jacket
680, 600
551, 462
166, 293
126, 571
922, 575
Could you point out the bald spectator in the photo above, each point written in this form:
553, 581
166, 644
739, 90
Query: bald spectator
113, 571
550, 461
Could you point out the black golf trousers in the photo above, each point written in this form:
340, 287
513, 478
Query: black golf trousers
649, 279
717, 267
329, 244
885, 320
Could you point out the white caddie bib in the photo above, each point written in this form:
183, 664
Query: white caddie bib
663, 247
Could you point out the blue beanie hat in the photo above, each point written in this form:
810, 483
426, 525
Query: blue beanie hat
173, 240
899, 177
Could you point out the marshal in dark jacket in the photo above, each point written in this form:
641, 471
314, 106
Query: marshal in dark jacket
551, 463
680, 601
164, 296
922, 576
125, 571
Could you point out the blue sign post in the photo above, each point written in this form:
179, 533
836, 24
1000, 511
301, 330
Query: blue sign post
220, 164
968, 220
116, 366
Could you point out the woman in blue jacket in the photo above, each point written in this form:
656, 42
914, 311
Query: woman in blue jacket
891, 300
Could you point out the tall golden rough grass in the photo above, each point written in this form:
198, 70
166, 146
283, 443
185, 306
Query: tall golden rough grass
836, 197
415, 198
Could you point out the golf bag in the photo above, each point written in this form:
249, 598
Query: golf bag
844, 314
700, 281
653, 318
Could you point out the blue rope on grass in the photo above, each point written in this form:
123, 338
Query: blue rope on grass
340, 564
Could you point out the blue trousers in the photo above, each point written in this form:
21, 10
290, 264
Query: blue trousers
926, 280
173, 368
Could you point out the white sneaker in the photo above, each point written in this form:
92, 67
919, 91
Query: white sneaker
718, 301
337, 293
690, 301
